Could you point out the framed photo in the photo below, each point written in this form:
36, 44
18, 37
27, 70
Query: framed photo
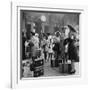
46, 45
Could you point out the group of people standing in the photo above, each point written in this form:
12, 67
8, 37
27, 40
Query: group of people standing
52, 46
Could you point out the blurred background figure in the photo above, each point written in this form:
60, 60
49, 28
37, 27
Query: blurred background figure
50, 48
23, 45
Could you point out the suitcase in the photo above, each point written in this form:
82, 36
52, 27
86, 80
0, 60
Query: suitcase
64, 67
54, 63
37, 67
38, 73
39, 62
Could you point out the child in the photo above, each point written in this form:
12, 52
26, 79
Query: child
50, 49
26, 70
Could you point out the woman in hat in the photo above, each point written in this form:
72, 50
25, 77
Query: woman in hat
71, 50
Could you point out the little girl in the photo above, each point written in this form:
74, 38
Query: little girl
50, 51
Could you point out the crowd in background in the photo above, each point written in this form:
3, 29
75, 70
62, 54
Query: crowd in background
59, 45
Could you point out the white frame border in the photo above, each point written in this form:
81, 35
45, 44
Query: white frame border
15, 42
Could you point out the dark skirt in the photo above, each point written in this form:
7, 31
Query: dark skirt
72, 53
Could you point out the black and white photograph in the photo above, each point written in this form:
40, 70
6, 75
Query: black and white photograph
45, 44
49, 43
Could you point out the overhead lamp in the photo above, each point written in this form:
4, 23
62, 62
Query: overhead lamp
43, 18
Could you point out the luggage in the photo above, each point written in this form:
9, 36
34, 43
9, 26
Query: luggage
54, 63
65, 67
38, 63
37, 67
38, 73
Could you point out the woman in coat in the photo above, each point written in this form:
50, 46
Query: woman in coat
71, 50
72, 53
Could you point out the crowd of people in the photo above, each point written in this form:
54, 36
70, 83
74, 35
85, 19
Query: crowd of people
59, 45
